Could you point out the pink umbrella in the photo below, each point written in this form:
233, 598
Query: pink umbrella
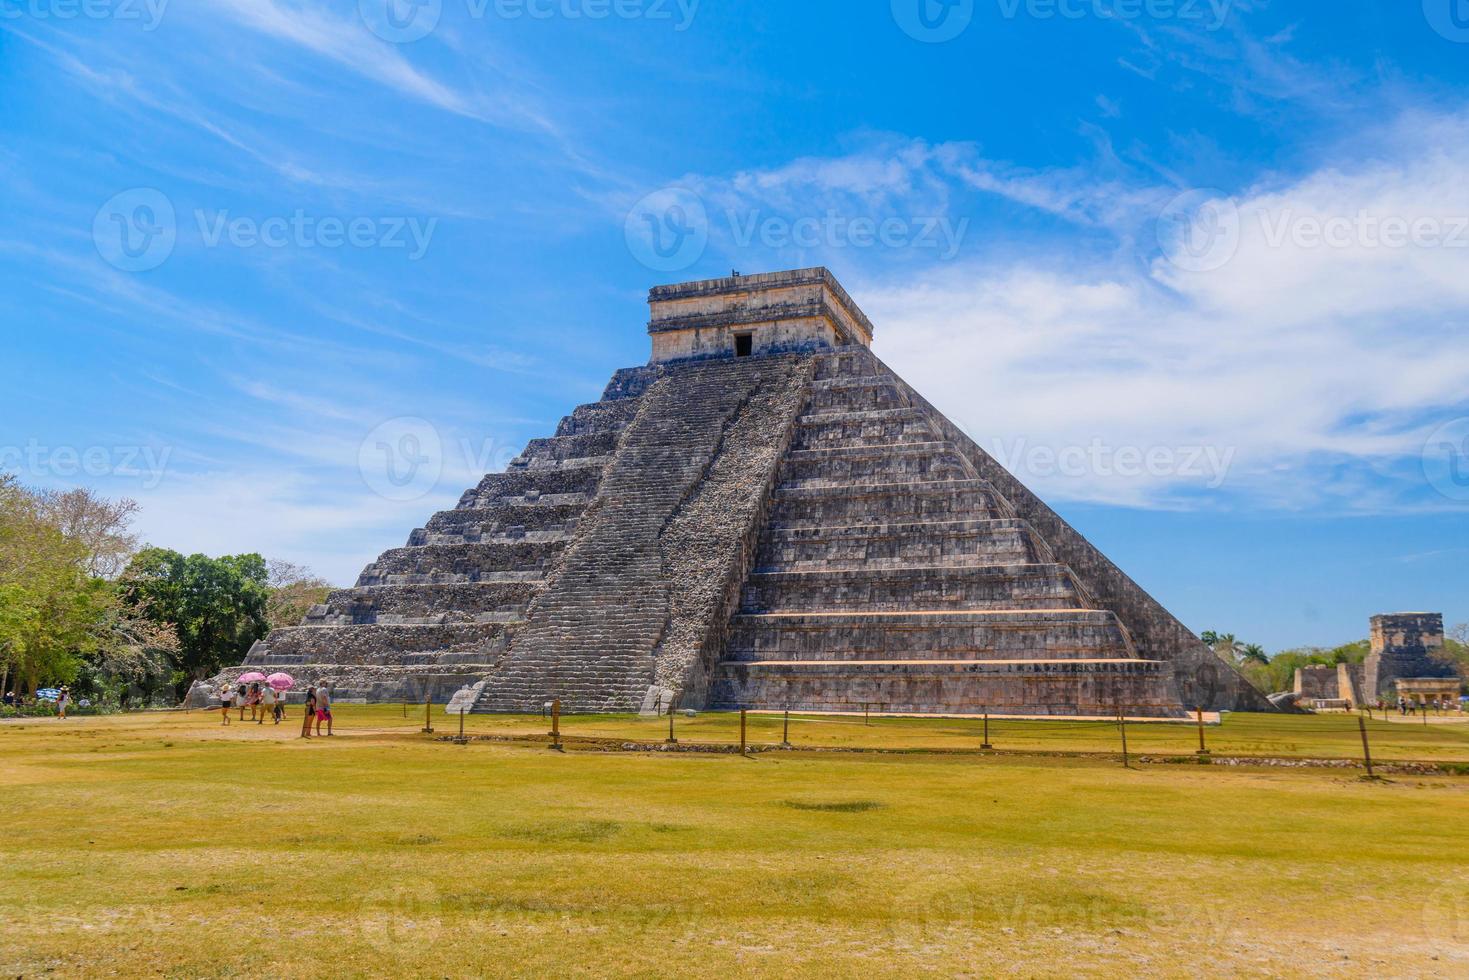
281, 682
251, 677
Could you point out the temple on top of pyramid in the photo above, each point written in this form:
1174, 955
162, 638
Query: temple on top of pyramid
764, 516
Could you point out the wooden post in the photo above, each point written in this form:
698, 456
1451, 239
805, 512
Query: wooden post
1122, 728
428, 713
785, 737
462, 713
986, 743
865, 719
556, 724
1203, 749
742, 731
1366, 749
671, 739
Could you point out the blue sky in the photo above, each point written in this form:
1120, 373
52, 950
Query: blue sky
1197, 271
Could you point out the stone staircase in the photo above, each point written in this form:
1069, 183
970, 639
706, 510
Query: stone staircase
592, 638
890, 575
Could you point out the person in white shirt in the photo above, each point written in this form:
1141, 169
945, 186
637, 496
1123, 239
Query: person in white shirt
324, 708
267, 704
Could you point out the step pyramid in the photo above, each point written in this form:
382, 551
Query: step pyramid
764, 516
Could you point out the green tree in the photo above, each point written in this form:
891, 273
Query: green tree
217, 606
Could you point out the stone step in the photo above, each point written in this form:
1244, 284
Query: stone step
1065, 688
873, 465
472, 560
893, 426
528, 486
908, 502
985, 542
1045, 586
455, 602
851, 394
376, 643
1039, 634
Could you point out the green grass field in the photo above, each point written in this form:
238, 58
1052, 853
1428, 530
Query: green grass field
165, 844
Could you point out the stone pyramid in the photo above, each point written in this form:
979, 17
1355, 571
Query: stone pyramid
764, 516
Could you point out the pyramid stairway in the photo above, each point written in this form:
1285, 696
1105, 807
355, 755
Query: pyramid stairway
891, 576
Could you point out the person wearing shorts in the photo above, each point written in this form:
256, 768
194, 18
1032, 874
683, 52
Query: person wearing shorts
267, 704
324, 708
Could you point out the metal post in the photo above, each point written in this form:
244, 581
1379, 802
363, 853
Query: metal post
556, 724
1122, 727
742, 731
1366, 749
1203, 749
428, 716
986, 743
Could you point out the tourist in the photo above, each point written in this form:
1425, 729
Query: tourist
310, 712
63, 700
241, 696
9, 699
324, 708
226, 701
268, 699
280, 706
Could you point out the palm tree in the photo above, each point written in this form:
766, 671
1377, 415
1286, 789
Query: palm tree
1256, 652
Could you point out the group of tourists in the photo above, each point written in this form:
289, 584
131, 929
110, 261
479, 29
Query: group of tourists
262, 700
62, 701
1411, 706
